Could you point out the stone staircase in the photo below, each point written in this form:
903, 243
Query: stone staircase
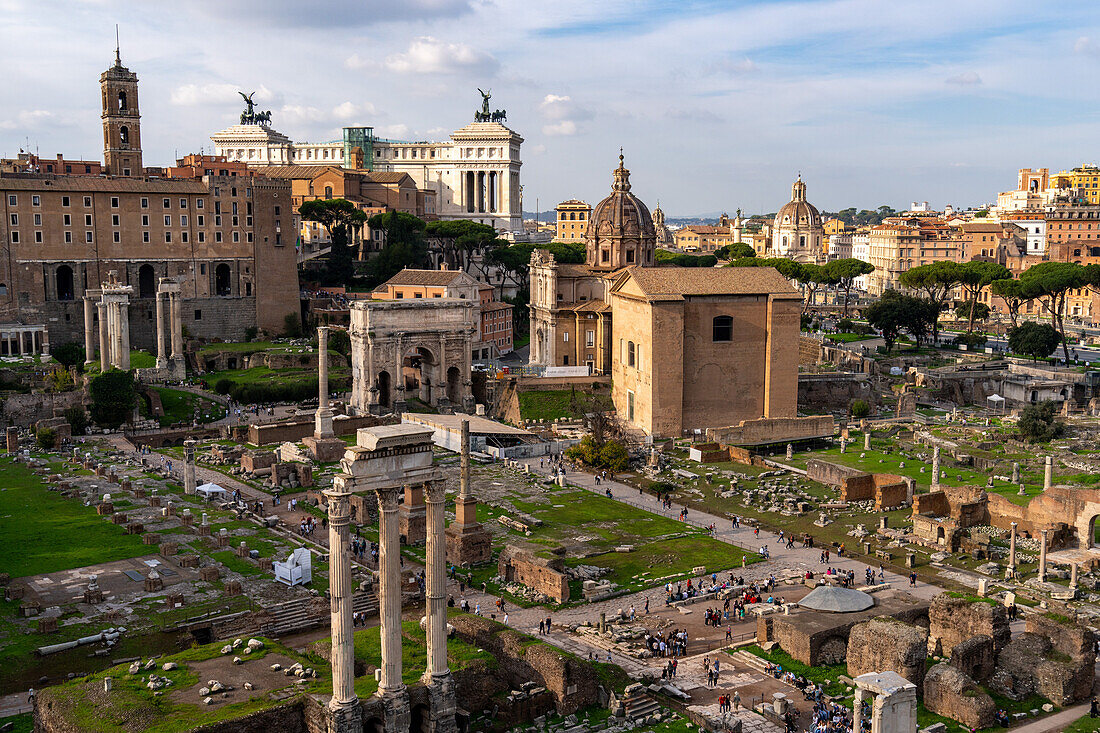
293, 616
638, 704
750, 660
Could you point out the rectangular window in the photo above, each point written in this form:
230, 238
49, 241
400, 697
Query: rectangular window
144, 203
183, 236
183, 203
199, 203
590, 339
167, 220
236, 221
114, 220
87, 220
38, 237
68, 220
38, 220
145, 237
64, 200
15, 237
565, 337
183, 220
198, 315
217, 236
114, 202
68, 237
13, 201
88, 237
276, 211
87, 202
145, 220
202, 237
236, 236
248, 237
167, 237
201, 220
118, 237
36, 200
217, 221
14, 220
167, 203
202, 268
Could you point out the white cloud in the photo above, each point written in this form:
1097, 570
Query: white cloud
565, 127
351, 110
354, 62
26, 119
428, 55
193, 95
1085, 45
967, 78
397, 131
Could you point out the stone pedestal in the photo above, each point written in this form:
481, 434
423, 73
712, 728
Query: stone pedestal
189, 467
412, 515
325, 450
12, 435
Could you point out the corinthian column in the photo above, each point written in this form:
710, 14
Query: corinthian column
344, 705
440, 683
390, 687
124, 335
177, 325
104, 343
323, 421
162, 356
89, 330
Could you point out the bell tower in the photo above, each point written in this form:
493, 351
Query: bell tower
121, 120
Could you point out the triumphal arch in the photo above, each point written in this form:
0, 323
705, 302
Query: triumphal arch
415, 348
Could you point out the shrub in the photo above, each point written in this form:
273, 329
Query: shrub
1037, 423
250, 333
224, 385
971, 340
70, 354
77, 419
845, 325
614, 457
46, 438
859, 409
660, 488
113, 395
292, 326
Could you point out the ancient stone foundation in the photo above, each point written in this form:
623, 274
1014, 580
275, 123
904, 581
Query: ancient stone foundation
886, 644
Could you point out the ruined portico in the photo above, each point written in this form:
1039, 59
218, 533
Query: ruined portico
411, 348
114, 324
384, 461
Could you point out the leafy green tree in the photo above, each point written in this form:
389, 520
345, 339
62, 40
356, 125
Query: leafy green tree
735, 251
664, 257
935, 280
895, 312
459, 239
339, 341
1014, 294
59, 380
1037, 423
343, 220
859, 409
614, 456
69, 354
1053, 281
972, 311
1037, 340
113, 395
974, 276
845, 272
521, 312
405, 246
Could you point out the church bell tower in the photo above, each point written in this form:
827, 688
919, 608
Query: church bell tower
121, 120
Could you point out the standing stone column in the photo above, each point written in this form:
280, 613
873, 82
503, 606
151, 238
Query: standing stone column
189, 466
1043, 556
177, 325
468, 543
1073, 576
344, 710
857, 710
867, 439
391, 689
124, 335
1048, 472
89, 330
104, 343
323, 423
1012, 549
936, 468
162, 354
1015, 472
437, 677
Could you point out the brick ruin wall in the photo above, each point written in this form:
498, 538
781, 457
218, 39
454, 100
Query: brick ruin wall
772, 430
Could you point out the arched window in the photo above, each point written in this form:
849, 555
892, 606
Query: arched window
630, 353
572, 216
722, 329
146, 282
221, 279
122, 101
64, 283
124, 135
328, 192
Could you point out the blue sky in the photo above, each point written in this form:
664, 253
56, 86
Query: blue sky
718, 105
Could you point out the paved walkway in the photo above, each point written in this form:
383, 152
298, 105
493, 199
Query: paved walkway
1054, 723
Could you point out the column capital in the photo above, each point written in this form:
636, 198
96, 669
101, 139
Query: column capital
435, 491
389, 498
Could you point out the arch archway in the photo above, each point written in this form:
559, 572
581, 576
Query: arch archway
419, 367
454, 386
383, 385
222, 283
65, 283
147, 279
420, 719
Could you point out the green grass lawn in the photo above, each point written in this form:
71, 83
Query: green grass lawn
179, 406
550, 404
21, 723
247, 347
1085, 724
846, 338
637, 570
51, 532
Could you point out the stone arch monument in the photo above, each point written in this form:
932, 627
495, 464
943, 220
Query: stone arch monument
401, 349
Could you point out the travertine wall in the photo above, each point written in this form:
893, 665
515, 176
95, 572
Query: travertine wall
886, 644
772, 430
954, 620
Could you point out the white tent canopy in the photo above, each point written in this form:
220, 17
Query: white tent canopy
212, 491
995, 398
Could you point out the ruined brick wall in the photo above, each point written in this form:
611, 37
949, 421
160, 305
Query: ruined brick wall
254, 459
293, 431
954, 620
23, 410
835, 391
974, 657
832, 474
886, 644
950, 693
890, 491
745, 456
933, 504
534, 572
572, 681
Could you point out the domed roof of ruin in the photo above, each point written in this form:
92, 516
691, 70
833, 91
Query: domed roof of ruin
837, 600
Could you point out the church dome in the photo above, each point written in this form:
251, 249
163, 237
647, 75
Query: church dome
798, 212
620, 229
